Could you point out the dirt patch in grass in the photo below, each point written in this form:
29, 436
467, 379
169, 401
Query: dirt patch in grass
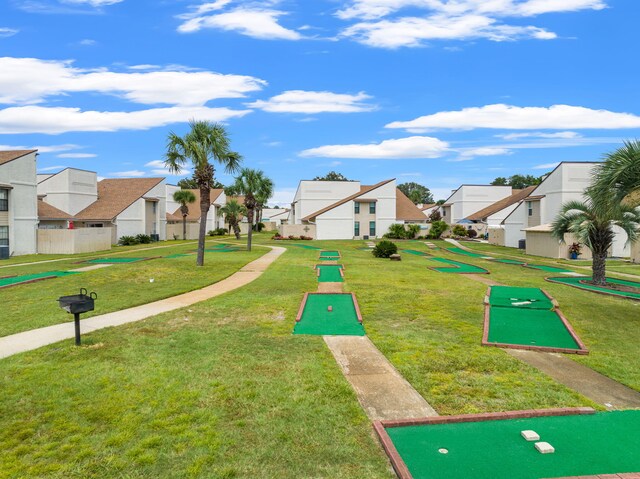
613, 286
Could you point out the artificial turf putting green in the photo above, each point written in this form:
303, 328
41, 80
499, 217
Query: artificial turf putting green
519, 298
601, 443
114, 260
27, 278
508, 261
466, 253
576, 283
548, 269
329, 255
330, 273
305, 246
317, 320
417, 253
457, 267
177, 255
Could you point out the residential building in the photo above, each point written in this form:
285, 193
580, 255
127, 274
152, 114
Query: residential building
18, 203
469, 199
174, 215
348, 210
492, 216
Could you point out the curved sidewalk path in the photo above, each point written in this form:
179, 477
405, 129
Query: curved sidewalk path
34, 339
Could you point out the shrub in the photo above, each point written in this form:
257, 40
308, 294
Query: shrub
437, 228
435, 216
384, 249
306, 238
259, 227
176, 237
459, 230
472, 233
396, 231
412, 231
143, 239
128, 240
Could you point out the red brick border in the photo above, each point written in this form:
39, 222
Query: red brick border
342, 268
9, 276
400, 466
487, 320
550, 280
28, 281
306, 296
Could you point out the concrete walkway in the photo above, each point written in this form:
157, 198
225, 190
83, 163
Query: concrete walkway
382, 391
30, 340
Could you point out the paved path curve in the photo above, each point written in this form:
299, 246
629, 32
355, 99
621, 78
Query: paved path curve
34, 339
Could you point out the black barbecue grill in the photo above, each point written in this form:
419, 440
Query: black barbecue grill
77, 304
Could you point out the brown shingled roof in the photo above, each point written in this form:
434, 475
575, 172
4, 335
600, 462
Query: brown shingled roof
116, 195
10, 155
49, 212
516, 197
427, 206
406, 210
363, 190
194, 208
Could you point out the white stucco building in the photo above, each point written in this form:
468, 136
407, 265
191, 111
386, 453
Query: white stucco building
349, 210
215, 220
18, 203
469, 199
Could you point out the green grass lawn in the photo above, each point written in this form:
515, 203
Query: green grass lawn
223, 389
119, 286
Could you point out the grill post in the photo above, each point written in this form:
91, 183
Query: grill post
76, 320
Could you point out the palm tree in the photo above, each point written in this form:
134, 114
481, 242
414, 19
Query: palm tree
255, 187
233, 212
184, 197
592, 224
205, 143
619, 175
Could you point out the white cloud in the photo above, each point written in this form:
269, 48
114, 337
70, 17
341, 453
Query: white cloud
43, 149
155, 164
377, 23
411, 147
77, 155
546, 166
31, 80
471, 153
565, 135
283, 197
257, 20
93, 3
87, 42
7, 32
56, 120
52, 168
510, 117
128, 174
310, 102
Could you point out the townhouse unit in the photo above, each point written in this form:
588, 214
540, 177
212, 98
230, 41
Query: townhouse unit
530, 221
18, 203
174, 217
469, 199
348, 210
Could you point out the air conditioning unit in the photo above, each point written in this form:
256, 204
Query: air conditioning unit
365, 237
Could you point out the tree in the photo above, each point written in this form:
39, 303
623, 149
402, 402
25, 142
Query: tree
205, 143
517, 181
255, 187
416, 192
592, 224
191, 184
500, 181
233, 212
435, 215
331, 176
184, 197
440, 202
619, 175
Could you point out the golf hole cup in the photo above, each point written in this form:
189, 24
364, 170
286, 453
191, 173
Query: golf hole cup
330, 308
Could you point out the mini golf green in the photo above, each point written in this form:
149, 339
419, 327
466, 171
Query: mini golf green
457, 267
548, 269
115, 260
315, 318
509, 261
330, 273
585, 445
178, 255
222, 250
329, 255
466, 253
32, 278
526, 318
416, 252
305, 246
577, 283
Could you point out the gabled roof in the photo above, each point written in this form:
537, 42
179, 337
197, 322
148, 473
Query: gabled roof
10, 155
516, 197
406, 210
194, 208
363, 190
116, 195
427, 206
49, 212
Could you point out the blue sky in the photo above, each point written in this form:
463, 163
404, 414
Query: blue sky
441, 92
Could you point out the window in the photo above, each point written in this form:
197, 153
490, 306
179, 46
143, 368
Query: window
372, 208
444, 212
4, 200
372, 227
155, 207
356, 208
356, 228
530, 208
4, 236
